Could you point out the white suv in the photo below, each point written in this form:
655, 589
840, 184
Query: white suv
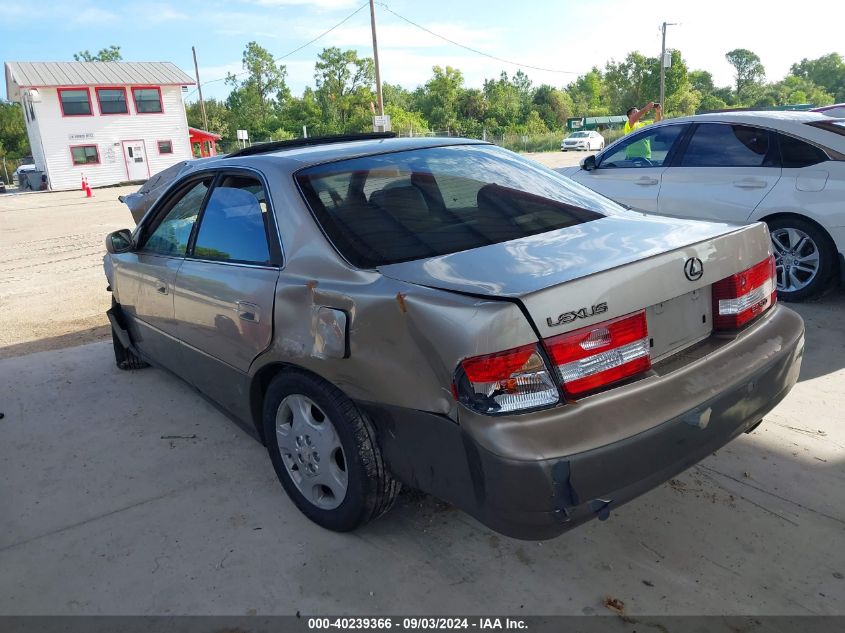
784, 168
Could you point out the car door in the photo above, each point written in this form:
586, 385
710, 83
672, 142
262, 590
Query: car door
630, 172
723, 173
145, 278
225, 288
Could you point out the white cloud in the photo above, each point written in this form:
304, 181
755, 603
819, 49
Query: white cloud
92, 17
321, 4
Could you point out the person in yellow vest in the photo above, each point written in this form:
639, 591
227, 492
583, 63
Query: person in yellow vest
642, 148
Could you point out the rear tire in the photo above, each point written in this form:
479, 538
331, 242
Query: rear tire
805, 257
325, 454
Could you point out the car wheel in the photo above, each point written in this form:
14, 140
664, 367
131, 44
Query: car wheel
805, 257
325, 454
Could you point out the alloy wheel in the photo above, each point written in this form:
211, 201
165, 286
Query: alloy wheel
796, 259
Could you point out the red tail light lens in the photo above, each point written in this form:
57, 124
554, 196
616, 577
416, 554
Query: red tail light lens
599, 355
513, 380
744, 296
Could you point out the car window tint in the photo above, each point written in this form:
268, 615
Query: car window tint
797, 153
725, 145
442, 200
234, 224
646, 148
171, 236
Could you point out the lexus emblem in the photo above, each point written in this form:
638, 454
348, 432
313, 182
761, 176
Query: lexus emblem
693, 269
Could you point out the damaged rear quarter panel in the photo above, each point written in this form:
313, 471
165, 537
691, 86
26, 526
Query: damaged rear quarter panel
404, 340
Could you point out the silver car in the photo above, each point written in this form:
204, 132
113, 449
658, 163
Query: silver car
447, 315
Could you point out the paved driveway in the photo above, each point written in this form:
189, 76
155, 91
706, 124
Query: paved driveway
127, 493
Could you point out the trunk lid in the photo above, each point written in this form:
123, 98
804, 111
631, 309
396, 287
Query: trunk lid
580, 275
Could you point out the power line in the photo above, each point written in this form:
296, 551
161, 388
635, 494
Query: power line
296, 50
475, 50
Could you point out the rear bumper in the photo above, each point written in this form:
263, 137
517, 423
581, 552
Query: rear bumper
491, 476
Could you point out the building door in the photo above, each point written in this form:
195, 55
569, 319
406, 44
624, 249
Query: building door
136, 160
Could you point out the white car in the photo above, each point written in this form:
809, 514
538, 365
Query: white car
583, 140
786, 169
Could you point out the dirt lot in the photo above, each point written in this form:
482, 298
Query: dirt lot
52, 286
127, 493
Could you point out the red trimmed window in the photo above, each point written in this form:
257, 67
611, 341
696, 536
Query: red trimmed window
85, 155
165, 147
147, 100
75, 101
112, 100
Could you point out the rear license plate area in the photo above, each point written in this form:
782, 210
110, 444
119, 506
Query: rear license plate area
676, 324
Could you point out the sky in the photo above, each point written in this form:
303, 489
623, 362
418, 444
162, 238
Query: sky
565, 37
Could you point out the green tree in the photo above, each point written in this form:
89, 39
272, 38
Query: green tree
439, 98
305, 111
110, 54
504, 98
14, 143
793, 90
345, 89
219, 117
749, 72
395, 94
702, 81
554, 106
589, 94
827, 72
254, 101
630, 82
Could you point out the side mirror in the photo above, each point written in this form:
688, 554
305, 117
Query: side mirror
119, 241
589, 163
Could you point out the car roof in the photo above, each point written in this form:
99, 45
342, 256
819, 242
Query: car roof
299, 157
794, 122
759, 117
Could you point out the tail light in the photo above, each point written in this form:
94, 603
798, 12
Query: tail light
744, 296
586, 359
513, 380
598, 355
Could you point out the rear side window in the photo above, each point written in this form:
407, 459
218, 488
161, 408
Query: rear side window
233, 227
423, 203
725, 145
797, 153
171, 235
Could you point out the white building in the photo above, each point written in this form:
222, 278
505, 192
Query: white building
109, 121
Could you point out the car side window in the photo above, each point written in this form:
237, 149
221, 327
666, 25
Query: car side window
171, 235
233, 227
728, 145
797, 153
645, 148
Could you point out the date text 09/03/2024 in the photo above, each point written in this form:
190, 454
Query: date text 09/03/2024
417, 623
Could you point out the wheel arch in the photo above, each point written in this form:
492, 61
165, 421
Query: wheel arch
259, 384
838, 272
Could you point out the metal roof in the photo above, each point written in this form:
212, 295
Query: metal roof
44, 74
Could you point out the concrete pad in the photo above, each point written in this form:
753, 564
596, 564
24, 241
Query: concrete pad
127, 493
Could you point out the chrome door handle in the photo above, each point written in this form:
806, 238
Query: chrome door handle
646, 181
249, 312
750, 184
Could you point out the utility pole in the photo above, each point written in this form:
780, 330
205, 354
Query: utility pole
663, 66
375, 58
199, 87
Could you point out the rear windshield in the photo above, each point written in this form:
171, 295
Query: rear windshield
422, 203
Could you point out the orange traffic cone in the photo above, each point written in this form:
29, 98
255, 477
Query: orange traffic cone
83, 182
88, 193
